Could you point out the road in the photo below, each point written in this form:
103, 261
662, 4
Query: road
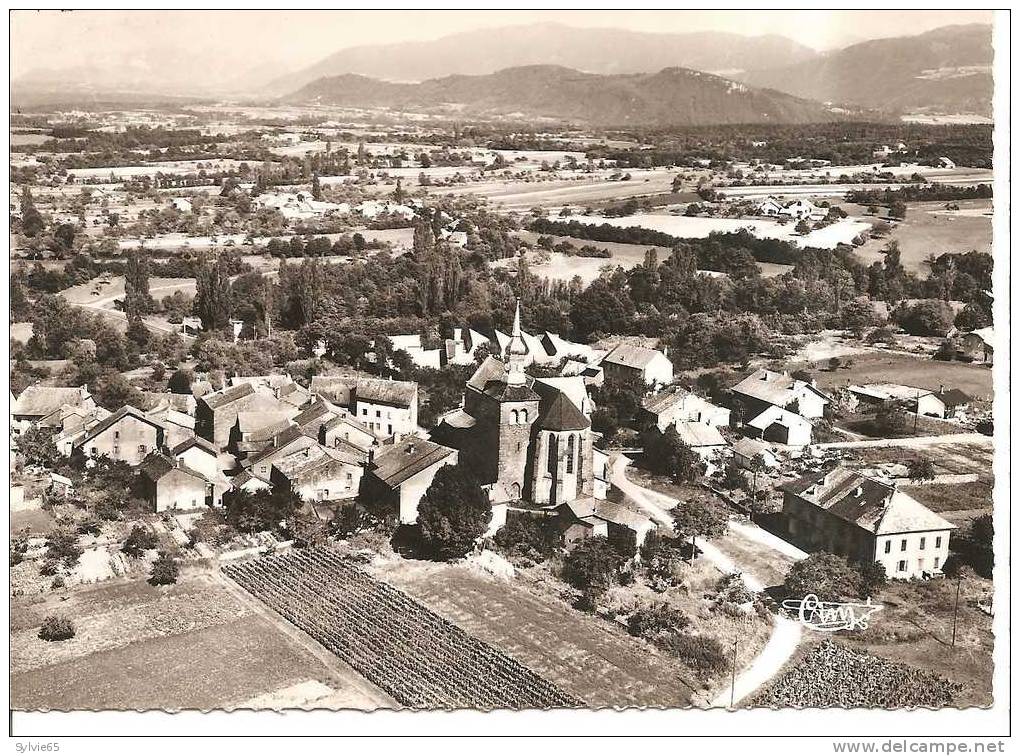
101, 306
911, 443
786, 633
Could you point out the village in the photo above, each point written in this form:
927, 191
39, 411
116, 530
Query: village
520, 396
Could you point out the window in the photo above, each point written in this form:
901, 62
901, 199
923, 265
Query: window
116, 434
937, 560
390, 429
142, 449
901, 566
552, 453
116, 450
938, 542
903, 545
921, 545
378, 413
364, 411
570, 454
920, 564
888, 546
94, 451
263, 469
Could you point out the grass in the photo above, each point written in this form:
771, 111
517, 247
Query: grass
891, 367
971, 498
924, 233
585, 656
215, 667
36, 522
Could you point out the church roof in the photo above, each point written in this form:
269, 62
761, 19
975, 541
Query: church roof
558, 413
508, 392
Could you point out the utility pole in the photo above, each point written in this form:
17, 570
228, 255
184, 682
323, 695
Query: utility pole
956, 608
733, 673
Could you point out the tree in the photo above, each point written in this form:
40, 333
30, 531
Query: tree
699, 518
592, 567
454, 513
137, 299
802, 227
890, 419
56, 628
139, 540
136, 332
972, 317
666, 453
180, 381
921, 470
898, 209
316, 188
265, 510
827, 576
37, 448
212, 299
929, 317
164, 570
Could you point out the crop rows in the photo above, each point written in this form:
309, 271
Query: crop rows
416, 656
833, 675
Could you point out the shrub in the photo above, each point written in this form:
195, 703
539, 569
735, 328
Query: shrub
833, 578
58, 582
699, 652
657, 621
89, 526
454, 513
527, 537
139, 540
164, 570
56, 629
63, 546
592, 567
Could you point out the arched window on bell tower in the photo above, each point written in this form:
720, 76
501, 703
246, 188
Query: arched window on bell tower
552, 453
570, 453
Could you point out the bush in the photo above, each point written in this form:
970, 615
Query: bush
592, 567
699, 652
657, 621
89, 526
833, 578
527, 537
56, 629
139, 540
454, 513
63, 546
164, 570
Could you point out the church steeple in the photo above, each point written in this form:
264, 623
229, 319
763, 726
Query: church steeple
516, 352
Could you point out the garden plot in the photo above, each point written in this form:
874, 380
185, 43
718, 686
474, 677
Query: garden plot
682, 227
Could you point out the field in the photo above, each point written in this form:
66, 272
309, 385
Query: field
191, 646
891, 367
929, 229
626, 256
583, 655
421, 659
683, 227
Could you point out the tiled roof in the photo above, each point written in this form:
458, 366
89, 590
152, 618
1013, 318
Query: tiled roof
407, 458
557, 413
632, 356
42, 400
382, 391
198, 441
774, 388
225, 396
699, 434
872, 504
125, 411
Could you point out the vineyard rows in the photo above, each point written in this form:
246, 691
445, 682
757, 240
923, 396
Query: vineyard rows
416, 656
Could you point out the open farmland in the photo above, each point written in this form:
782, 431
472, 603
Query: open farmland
930, 229
894, 367
190, 646
683, 227
418, 657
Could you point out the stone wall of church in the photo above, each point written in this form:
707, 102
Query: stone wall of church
562, 469
516, 419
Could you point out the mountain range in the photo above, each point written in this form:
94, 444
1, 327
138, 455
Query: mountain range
671, 97
602, 51
946, 70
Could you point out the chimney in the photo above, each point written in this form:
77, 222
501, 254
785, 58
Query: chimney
410, 448
859, 490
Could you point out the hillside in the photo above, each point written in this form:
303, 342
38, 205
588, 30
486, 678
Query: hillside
946, 70
602, 51
671, 97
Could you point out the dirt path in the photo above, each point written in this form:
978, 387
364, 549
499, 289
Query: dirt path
786, 633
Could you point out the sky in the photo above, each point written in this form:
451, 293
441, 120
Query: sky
292, 39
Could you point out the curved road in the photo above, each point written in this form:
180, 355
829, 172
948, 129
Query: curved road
786, 633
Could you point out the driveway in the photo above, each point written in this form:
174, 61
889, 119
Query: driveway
786, 633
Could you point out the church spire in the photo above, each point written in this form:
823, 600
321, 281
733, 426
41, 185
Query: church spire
516, 351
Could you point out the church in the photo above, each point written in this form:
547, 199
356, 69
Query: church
527, 438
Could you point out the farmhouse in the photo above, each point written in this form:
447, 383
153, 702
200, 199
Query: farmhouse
319, 473
398, 477
344, 429
919, 401
866, 520
128, 435
283, 444
588, 517
747, 449
630, 362
768, 388
216, 412
389, 409
680, 405
781, 426
979, 345
170, 484
36, 402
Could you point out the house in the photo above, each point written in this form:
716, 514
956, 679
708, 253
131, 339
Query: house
170, 484
767, 388
180, 204
978, 345
281, 445
36, 402
747, 449
593, 375
704, 440
317, 414
916, 400
179, 425
944, 162
298, 205
632, 362
801, 209
866, 519
198, 454
770, 207
680, 405
254, 431
245, 481
388, 408
588, 517
398, 477
128, 435
216, 412
319, 473
781, 426
955, 401
345, 429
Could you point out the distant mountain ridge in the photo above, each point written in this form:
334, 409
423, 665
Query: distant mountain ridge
595, 50
671, 97
946, 70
